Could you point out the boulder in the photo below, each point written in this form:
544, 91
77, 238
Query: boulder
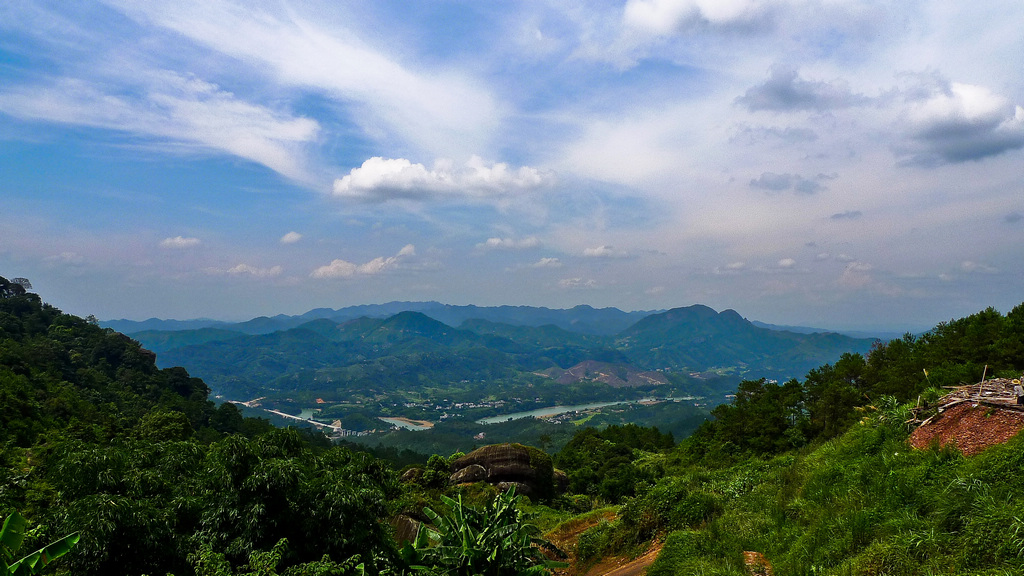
405, 527
506, 465
411, 475
561, 481
521, 489
469, 474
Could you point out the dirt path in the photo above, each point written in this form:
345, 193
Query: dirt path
566, 539
623, 567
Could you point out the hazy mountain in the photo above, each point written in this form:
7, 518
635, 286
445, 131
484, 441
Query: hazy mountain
883, 335
133, 326
582, 319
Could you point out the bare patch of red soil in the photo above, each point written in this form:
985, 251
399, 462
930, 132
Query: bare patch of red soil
757, 564
970, 427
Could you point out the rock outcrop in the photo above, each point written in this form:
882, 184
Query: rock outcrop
527, 469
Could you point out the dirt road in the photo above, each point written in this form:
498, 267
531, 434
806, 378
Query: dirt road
616, 567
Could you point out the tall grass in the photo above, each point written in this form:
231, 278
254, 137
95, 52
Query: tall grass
865, 503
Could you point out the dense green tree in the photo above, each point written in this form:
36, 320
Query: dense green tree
601, 463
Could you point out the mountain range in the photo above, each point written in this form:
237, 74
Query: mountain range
581, 319
412, 349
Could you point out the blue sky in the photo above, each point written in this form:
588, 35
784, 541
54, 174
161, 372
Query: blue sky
845, 164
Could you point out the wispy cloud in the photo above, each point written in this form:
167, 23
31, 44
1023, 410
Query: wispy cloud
179, 242
773, 182
66, 258
439, 109
971, 266
730, 268
172, 108
577, 283
604, 251
291, 238
856, 275
509, 243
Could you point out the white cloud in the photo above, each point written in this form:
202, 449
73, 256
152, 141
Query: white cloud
380, 179
547, 263
730, 268
291, 238
180, 109
344, 269
245, 269
856, 275
576, 283
69, 258
787, 263
179, 242
668, 16
971, 266
509, 243
604, 251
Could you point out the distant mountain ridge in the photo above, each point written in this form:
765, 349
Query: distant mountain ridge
583, 319
698, 338
580, 319
410, 349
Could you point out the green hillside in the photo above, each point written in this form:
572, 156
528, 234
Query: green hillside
698, 338
411, 357
815, 476
95, 439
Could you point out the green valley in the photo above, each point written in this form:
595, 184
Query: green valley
810, 475
410, 365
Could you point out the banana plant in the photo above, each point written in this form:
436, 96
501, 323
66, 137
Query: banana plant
495, 541
11, 537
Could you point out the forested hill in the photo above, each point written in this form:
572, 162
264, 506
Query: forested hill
410, 350
95, 439
697, 337
61, 374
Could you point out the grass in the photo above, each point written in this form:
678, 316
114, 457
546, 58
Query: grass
864, 503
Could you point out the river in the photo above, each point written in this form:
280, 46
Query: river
554, 410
